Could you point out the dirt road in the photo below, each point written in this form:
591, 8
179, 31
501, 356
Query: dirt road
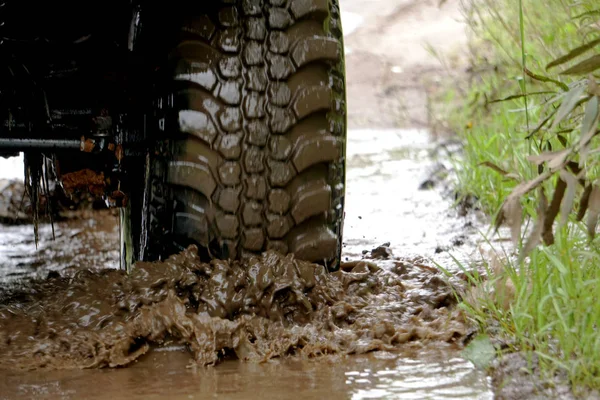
390, 67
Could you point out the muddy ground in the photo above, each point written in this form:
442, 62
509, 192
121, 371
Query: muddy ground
65, 305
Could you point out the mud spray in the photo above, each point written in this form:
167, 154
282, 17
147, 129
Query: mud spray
268, 306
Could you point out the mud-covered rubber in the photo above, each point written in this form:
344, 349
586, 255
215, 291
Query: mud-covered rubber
257, 125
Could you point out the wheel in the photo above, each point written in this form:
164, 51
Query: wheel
254, 128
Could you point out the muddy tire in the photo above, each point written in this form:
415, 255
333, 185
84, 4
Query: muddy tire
256, 129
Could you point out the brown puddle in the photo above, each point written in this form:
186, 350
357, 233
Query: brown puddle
272, 306
412, 372
400, 306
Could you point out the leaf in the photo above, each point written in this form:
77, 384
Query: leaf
528, 186
593, 87
587, 13
591, 115
593, 211
551, 157
559, 193
518, 96
559, 160
590, 121
583, 203
493, 166
568, 104
562, 140
577, 171
508, 207
480, 351
573, 53
586, 66
514, 215
536, 233
567, 204
541, 124
542, 78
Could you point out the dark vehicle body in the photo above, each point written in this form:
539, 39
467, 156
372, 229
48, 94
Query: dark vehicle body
97, 86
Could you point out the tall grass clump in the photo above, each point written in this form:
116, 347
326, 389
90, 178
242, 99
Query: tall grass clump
530, 124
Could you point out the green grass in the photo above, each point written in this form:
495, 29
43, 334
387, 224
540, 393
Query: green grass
550, 304
549, 307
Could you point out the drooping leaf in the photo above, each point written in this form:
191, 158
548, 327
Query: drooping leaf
542, 78
553, 158
553, 209
593, 211
569, 198
592, 109
559, 161
508, 207
514, 218
568, 104
535, 236
586, 66
583, 203
573, 53
528, 186
590, 121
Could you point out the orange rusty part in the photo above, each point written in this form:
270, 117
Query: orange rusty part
87, 145
119, 152
84, 179
118, 198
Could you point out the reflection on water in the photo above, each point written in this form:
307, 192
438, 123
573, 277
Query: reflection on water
90, 242
430, 373
384, 204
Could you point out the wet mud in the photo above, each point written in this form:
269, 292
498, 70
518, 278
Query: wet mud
270, 306
401, 313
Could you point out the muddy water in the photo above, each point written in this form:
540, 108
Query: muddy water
88, 241
409, 374
391, 197
404, 295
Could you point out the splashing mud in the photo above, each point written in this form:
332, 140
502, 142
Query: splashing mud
268, 307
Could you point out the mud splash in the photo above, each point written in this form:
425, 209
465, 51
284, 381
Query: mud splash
270, 306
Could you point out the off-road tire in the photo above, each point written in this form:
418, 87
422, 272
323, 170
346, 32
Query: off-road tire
256, 129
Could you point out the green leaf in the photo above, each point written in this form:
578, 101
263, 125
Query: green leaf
568, 104
573, 53
586, 66
480, 351
542, 78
